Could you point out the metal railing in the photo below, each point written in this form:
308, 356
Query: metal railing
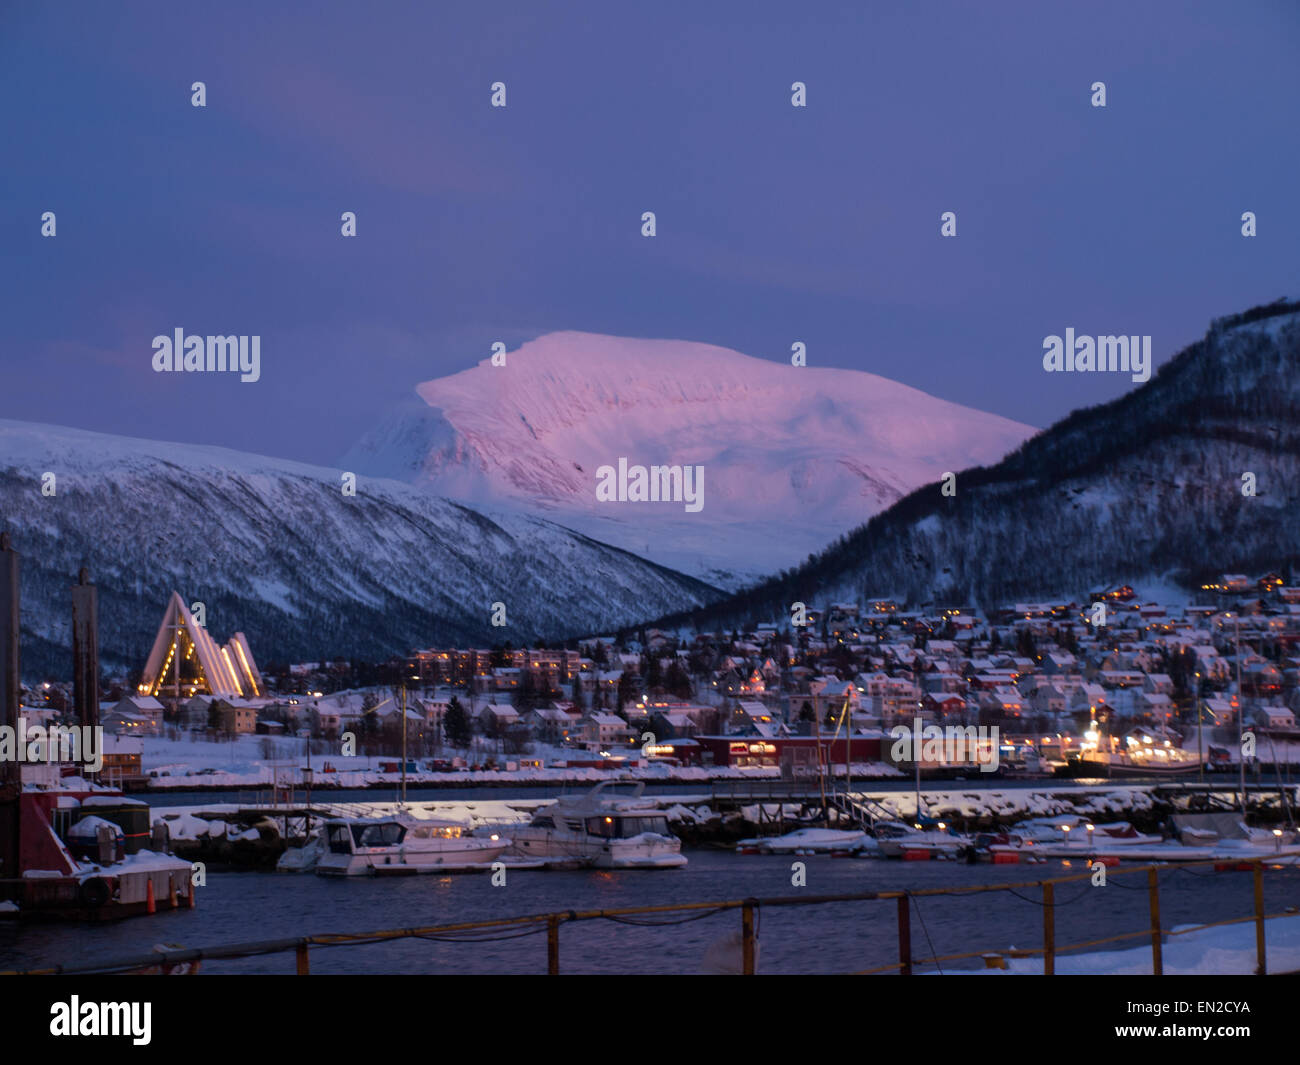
907, 963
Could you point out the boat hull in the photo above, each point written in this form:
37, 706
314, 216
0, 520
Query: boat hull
469, 855
659, 853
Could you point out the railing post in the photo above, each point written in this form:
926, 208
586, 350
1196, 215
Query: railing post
1049, 929
1261, 954
904, 935
747, 936
553, 946
304, 966
1153, 894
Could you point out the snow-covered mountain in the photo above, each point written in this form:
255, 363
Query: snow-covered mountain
275, 549
1147, 490
792, 456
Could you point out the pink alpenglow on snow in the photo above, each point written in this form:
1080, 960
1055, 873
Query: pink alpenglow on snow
797, 455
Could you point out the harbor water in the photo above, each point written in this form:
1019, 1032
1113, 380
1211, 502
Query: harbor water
240, 907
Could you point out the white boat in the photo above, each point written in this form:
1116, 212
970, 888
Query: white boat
1070, 834
898, 840
402, 844
603, 828
1047, 837
807, 841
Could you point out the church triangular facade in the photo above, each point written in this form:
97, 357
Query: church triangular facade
187, 661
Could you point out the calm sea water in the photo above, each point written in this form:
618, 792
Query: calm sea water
842, 937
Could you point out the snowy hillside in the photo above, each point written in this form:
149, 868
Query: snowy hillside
793, 456
1146, 489
275, 549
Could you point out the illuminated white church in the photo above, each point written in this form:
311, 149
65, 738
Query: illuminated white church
187, 661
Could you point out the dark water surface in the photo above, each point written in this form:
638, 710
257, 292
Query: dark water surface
247, 906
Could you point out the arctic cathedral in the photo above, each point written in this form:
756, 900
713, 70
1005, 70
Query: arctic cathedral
187, 661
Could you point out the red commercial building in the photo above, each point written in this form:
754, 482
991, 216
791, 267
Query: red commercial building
768, 750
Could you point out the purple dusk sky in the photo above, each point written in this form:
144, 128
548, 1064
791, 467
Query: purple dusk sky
478, 224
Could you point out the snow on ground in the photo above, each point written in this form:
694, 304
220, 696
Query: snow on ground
192, 822
260, 761
1228, 950
1014, 802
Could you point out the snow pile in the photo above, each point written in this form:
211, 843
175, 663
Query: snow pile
1228, 950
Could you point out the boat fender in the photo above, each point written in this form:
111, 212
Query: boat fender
95, 892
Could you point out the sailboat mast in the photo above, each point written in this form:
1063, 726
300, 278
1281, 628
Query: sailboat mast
1200, 733
916, 757
848, 746
1241, 710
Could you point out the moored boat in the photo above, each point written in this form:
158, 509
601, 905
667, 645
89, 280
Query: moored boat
919, 841
402, 844
609, 830
808, 841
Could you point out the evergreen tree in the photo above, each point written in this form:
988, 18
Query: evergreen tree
679, 681
456, 724
653, 672
626, 691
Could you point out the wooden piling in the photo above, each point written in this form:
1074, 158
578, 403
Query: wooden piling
1261, 955
1153, 895
747, 936
1049, 929
904, 935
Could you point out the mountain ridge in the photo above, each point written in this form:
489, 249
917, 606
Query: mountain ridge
793, 455
275, 549
1227, 405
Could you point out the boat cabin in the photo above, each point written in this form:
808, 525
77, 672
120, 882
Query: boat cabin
349, 837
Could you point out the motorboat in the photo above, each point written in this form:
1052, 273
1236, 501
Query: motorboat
808, 841
1069, 835
930, 839
403, 844
601, 828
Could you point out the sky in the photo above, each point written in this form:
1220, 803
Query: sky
475, 224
